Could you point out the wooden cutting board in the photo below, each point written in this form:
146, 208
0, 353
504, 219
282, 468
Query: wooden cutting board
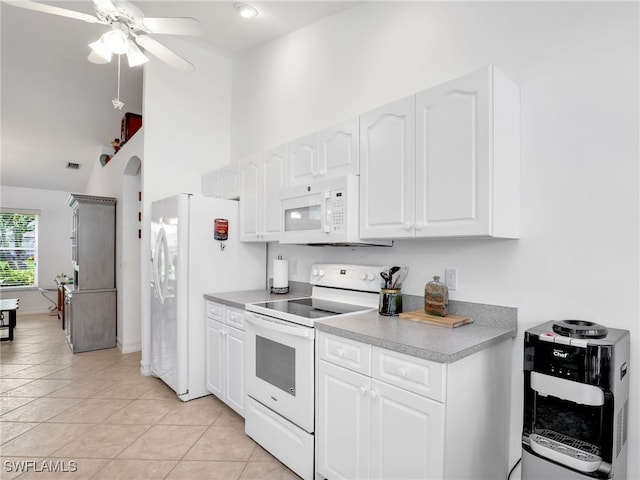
450, 321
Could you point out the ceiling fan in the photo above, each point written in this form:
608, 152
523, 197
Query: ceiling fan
129, 27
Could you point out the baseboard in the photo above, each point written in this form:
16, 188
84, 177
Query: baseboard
33, 311
145, 370
135, 347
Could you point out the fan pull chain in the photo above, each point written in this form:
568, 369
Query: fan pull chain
116, 101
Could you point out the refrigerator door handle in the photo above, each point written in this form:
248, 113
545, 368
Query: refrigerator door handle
159, 278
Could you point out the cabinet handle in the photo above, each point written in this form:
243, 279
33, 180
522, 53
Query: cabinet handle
402, 371
418, 226
407, 226
372, 393
362, 390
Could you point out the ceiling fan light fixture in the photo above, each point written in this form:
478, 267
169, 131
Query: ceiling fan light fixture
246, 11
116, 41
135, 55
100, 51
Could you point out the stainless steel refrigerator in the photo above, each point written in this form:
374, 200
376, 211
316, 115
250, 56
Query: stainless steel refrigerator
188, 261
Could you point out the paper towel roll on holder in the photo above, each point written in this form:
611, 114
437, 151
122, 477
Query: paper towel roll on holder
280, 283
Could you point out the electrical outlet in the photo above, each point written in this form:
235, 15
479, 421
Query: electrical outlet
451, 278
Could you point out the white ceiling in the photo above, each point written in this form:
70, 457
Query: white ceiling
56, 105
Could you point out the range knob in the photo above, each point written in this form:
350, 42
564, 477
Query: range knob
314, 272
363, 275
370, 276
321, 273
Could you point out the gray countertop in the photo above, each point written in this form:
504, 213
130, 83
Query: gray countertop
432, 342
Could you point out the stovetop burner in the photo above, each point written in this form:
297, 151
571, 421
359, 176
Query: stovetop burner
310, 307
579, 329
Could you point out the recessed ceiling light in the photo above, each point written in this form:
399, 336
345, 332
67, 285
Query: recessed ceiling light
246, 11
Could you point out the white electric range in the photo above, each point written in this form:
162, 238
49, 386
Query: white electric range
279, 358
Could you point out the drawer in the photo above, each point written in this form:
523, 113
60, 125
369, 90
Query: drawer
234, 317
214, 310
347, 353
417, 375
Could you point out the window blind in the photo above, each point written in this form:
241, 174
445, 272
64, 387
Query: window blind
18, 248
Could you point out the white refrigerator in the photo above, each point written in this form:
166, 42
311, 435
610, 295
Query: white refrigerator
187, 262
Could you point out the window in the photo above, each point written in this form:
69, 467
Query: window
18, 248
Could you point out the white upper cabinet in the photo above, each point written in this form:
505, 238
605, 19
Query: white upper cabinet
459, 176
339, 149
332, 152
222, 183
468, 157
387, 169
261, 180
302, 160
249, 200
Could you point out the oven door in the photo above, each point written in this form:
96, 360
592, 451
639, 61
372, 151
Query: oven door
279, 367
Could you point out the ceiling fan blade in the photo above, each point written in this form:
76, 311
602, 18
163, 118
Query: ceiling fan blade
172, 26
106, 5
44, 8
163, 53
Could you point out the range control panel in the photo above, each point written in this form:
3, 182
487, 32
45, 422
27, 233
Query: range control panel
352, 277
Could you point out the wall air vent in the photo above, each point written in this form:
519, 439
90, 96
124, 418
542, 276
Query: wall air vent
73, 166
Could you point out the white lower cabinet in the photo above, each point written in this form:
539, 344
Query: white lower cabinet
402, 417
370, 429
225, 355
406, 434
343, 427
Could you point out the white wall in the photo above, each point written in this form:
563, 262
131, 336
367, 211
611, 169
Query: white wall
187, 133
121, 178
577, 65
54, 247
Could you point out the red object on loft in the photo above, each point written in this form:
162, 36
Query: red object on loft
131, 123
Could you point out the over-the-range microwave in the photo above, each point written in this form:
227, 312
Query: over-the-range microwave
326, 212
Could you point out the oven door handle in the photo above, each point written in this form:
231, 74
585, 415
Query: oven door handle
279, 327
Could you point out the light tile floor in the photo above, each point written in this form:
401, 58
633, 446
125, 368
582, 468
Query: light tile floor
93, 416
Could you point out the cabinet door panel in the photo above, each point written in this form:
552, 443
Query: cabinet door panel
302, 160
234, 317
342, 425
408, 434
273, 163
214, 357
347, 353
452, 157
229, 183
214, 310
234, 368
387, 149
339, 149
249, 206
417, 375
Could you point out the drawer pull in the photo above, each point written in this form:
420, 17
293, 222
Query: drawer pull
340, 352
402, 371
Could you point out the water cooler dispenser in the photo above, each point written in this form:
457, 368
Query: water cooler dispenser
576, 401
